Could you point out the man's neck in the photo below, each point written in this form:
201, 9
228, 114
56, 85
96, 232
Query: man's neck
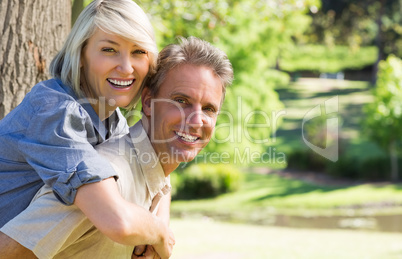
168, 163
168, 168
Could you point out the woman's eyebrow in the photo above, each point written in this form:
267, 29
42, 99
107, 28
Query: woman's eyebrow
110, 41
116, 43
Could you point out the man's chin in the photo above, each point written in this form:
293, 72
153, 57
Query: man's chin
184, 157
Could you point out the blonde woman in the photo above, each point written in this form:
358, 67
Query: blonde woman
50, 137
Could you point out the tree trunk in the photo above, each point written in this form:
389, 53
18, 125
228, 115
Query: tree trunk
31, 33
378, 42
394, 161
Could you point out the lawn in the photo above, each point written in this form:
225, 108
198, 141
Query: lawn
264, 195
206, 239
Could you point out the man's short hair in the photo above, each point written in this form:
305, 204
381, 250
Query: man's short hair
193, 51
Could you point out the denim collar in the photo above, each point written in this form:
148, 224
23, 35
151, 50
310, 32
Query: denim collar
98, 124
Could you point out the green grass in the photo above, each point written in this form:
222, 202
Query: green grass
206, 239
261, 195
303, 95
320, 58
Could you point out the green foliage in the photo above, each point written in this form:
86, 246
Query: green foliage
323, 59
253, 33
205, 180
359, 23
383, 121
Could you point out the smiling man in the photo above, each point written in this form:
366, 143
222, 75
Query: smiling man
180, 104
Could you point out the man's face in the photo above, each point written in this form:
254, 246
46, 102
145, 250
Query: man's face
183, 113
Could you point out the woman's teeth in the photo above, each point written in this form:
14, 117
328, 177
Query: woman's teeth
121, 83
186, 137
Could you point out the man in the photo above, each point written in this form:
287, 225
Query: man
180, 107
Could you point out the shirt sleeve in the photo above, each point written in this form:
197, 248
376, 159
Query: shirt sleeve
46, 226
59, 144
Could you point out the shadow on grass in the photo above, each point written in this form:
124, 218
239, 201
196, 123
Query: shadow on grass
293, 93
286, 188
280, 187
337, 92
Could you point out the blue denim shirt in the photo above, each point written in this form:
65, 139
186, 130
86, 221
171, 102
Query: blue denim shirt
49, 138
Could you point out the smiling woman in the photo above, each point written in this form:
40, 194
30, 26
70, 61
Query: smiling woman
114, 69
49, 137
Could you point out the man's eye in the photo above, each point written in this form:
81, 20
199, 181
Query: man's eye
180, 100
210, 110
108, 50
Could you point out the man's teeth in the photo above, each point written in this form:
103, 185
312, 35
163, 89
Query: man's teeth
121, 83
186, 137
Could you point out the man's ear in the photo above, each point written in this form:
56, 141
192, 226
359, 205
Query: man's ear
146, 101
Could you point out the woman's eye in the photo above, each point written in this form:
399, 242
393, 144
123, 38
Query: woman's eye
108, 50
140, 51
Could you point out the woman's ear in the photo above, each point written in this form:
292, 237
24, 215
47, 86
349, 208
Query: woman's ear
146, 99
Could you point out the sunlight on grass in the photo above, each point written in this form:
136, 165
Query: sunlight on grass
202, 238
261, 192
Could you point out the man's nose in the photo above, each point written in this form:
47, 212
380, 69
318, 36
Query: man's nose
197, 119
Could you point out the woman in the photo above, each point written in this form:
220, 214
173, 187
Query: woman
49, 137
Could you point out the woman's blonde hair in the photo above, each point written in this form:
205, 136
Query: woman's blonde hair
120, 17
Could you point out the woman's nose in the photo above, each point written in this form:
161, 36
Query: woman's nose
125, 66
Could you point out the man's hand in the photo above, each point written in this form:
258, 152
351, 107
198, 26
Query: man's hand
167, 246
9, 248
144, 251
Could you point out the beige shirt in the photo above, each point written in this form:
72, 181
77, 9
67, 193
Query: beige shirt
53, 230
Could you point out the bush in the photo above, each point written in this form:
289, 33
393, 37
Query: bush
347, 167
205, 181
306, 160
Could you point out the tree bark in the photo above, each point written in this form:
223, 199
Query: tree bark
394, 161
31, 33
378, 42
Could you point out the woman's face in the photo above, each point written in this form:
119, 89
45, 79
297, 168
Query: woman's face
112, 71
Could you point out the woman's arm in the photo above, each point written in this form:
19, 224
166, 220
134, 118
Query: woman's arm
122, 221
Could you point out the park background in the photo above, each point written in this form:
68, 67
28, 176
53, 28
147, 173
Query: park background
275, 182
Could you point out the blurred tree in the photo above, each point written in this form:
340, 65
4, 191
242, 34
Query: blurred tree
254, 34
383, 123
78, 6
30, 32
360, 23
